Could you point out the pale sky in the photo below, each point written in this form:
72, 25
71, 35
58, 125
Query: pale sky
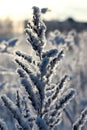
61, 9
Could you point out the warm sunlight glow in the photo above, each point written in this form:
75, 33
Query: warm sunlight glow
21, 9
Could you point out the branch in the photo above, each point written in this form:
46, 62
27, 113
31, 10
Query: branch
16, 113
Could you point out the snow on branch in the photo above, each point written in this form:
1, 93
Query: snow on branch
18, 101
58, 58
50, 53
59, 87
21, 73
52, 65
39, 24
33, 40
81, 121
24, 67
25, 56
41, 124
59, 103
43, 66
16, 113
39, 84
32, 95
66, 98
3, 125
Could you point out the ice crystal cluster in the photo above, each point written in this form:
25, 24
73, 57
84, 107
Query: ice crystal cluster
42, 106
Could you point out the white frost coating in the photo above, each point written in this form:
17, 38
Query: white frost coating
3, 125
41, 124
66, 98
81, 121
25, 56
29, 89
43, 66
48, 98
16, 113
50, 53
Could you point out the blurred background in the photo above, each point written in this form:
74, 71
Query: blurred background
61, 14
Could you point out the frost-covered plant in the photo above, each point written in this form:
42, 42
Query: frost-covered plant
46, 98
